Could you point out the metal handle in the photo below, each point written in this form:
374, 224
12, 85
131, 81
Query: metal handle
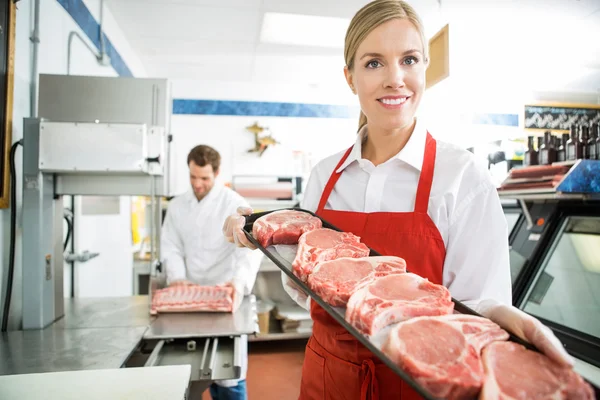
237, 355
151, 362
203, 371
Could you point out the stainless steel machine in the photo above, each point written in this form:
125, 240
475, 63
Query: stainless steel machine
100, 136
95, 136
75, 158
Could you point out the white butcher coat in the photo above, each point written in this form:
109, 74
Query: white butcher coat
194, 248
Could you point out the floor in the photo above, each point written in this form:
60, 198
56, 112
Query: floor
279, 363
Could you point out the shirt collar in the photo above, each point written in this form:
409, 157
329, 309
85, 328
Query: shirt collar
412, 153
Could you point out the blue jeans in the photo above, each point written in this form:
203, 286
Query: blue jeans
229, 393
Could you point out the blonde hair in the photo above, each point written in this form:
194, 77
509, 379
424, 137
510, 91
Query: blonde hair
370, 17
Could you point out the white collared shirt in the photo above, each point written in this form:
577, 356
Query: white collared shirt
463, 205
193, 246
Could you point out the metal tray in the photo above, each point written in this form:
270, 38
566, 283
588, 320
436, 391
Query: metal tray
338, 313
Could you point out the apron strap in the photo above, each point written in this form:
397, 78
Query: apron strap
331, 182
426, 178
369, 389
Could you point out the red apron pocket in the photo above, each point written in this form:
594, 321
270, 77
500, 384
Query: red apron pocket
313, 376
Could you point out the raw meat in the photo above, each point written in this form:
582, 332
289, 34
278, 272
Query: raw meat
513, 372
283, 227
442, 353
395, 298
336, 280
323, 245
192, 298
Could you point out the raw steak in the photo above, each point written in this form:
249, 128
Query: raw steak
283, 227
191, 298
396, 298
513, 372
336, 280
442, 353
323, 245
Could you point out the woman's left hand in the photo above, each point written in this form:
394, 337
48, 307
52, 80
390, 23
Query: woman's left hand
527, 328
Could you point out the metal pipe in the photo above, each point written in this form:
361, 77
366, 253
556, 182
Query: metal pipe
152, 224
102, 45
72, 263
35, 39
76, 34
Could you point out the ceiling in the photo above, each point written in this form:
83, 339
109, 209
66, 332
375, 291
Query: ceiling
220, 39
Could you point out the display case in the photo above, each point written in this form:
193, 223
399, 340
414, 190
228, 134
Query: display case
555, 268
563, 283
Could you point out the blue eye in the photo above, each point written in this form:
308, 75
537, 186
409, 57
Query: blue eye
413, 60
373, 64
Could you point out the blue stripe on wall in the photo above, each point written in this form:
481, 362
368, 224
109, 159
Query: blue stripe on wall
82, 16
496, 119
263, 109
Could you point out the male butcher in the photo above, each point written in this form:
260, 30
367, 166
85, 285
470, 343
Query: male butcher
194, 250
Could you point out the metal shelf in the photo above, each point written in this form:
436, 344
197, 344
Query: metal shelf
545, 195
580, 183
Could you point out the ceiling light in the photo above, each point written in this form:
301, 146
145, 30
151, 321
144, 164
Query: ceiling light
303, 30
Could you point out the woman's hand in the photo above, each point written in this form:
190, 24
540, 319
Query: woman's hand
527, 328
232, 228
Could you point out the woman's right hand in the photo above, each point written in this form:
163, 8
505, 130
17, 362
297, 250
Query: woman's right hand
232, 228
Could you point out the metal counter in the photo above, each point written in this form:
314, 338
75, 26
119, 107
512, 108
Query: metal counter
186, 325
112, 312
51, 350
95, 333
103, 333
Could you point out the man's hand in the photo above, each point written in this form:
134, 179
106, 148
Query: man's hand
238, 295
232, 228
527, 328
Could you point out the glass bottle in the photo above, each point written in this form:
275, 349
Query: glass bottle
596, 128
531, 154
573, 146
561, 152
584, 134
591, 144
547, 152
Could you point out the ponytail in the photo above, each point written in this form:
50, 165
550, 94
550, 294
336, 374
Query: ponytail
362, 121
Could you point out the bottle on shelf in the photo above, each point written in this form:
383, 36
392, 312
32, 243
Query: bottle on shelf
591, 143
574, 150
596, 128
584, 134
547, 152
561, 152
531, 154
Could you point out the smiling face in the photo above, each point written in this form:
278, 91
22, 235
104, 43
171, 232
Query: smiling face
202, 179
388, 74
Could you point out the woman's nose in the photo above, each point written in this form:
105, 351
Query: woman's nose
395, 77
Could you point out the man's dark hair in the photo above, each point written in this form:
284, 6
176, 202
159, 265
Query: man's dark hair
203, 155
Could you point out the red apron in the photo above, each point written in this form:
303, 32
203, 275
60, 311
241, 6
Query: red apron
337, 366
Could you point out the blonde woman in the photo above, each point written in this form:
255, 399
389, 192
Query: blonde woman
408, 195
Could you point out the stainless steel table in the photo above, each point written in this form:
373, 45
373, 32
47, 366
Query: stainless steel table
206, 324
95, 333
111, 312
50, 350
